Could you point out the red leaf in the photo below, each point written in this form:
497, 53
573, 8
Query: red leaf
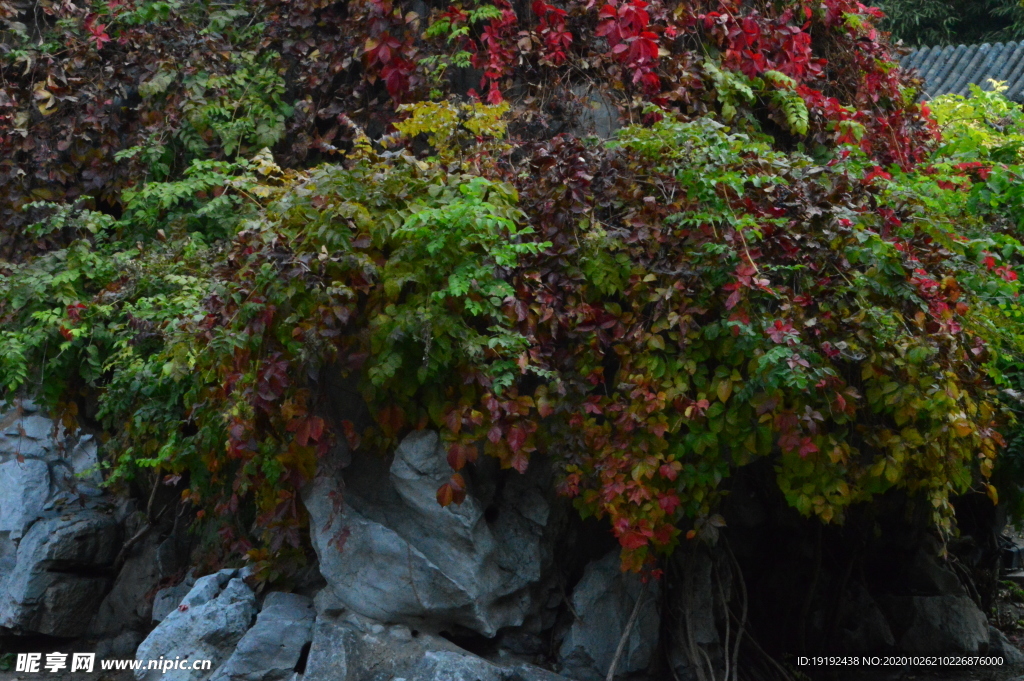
445, 494
633, 540
349, 429
452, 491
456, 456
391, 419
516, 438
544, 407
315, 428
807, 447
453, 421
520, 462
670, 470
458, 485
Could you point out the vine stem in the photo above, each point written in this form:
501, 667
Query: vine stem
742, 621
626, 632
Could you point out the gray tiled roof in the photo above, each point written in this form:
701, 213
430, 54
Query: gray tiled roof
951, 69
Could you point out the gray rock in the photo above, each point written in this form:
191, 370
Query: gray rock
84, 460
120, 647
25, 435
1000, 646
173, 554
271, 649
396, 555
57, 581
167, 600
76, 473
603, 601
529, 672
33, 426
863, 628
208, 624
353, 648
599, 117
329, 653
8, 554
127, 607
24, 491
940, 625
326, 602
449, 666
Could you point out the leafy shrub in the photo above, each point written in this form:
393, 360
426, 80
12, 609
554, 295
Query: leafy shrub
825, 284
655, 312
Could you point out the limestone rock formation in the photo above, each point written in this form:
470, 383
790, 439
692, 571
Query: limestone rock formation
391, 553
271, 649
58, 580
603, 601
208, 624
350, 647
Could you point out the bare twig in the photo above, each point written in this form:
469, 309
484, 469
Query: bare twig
695, 652
725, 641
771, 660
743, 616
626, 632
122, 555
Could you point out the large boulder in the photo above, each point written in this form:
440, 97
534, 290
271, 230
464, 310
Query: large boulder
26, 433
603, 602
167, 600
933, 614
1000, 646
271, 649
128, 606
391, 553
948, 624
207, 625
349, 647
58, 578
24, 491
58, 536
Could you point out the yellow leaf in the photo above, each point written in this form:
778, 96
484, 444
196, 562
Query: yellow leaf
45, 101
993, 494
724, 390
963, 428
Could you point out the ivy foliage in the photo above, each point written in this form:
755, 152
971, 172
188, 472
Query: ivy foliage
983, 140
953, 22
98, 97
655, 312
783, 258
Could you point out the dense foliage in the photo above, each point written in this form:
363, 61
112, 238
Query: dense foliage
953, 22
778, 259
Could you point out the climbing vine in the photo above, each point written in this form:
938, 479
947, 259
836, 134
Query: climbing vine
208, 209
